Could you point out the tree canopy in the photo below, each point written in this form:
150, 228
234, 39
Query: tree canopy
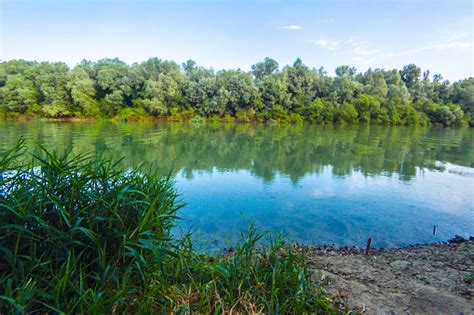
267, 93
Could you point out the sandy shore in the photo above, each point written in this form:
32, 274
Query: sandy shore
421, 279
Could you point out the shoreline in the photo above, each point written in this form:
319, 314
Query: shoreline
360, 249
427, 278
205, 121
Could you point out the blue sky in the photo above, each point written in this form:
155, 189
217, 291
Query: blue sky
436, 35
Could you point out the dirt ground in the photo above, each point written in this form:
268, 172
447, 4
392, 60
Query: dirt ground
421, 279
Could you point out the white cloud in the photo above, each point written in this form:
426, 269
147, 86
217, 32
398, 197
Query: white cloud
463, 41
328, 44
292, 27
449, 45
363, 54
455, 43
358, 48
360, 51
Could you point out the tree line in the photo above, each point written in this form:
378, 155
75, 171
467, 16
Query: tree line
267, 93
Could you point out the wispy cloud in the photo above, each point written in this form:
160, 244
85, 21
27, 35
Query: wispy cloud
359, 48
360, 52
328, 44
293, 27
324, 20
457, 43
450, 45
363, 50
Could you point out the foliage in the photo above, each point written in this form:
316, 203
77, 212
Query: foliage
266, 93
197, 119
132, 114
80, 235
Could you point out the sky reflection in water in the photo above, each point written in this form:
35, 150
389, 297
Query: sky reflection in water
317, 184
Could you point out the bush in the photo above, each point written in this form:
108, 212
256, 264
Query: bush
183, 115
77, 234
280, 114
296, 118
197, 120
80, 235
132, 114
214, 119
470, 119
228, 118
56, 110
241, 116
319, 111
348, 113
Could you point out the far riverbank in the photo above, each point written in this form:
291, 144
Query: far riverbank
213, 120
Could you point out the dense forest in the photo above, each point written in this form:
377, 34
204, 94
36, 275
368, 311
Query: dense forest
297, 93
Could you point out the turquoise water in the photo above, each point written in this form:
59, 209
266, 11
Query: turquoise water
317, 184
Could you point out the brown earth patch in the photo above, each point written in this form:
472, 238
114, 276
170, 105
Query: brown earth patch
421, 279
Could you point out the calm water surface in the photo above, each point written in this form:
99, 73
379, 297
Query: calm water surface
317, 184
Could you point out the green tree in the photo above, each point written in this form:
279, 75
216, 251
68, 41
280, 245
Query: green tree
82, 89
111, 87
343, 71
18, 94
299, 79
348, 113
160, 95
265, 68
368, 107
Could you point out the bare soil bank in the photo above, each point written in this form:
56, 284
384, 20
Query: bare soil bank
421, 279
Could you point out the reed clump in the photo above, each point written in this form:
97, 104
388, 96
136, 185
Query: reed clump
79, 234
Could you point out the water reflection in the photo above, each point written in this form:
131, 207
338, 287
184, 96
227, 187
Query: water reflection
318, 184
264, 151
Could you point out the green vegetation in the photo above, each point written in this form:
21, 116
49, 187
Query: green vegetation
80, 235
157, 88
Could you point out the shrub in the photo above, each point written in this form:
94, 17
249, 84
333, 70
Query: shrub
56, 110
77, 234
132, 114
197, 120
183, 115
214, 119
228, 118
241, 116
348, 113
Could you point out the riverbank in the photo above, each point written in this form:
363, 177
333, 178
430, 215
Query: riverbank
420, 279
208, 120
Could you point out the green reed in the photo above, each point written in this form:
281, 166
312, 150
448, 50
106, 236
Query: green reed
78, 234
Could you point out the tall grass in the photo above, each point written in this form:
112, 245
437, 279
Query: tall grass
80, 235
